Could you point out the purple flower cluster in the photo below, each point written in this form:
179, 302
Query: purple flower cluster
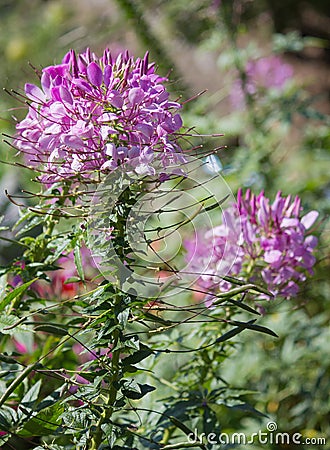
92, 114
269, 72
270, 241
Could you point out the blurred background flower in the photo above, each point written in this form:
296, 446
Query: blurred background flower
261, 75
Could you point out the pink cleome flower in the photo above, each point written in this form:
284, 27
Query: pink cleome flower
269, 72
92, 114
273, 246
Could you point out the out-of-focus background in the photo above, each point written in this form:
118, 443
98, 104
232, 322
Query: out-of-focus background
264, 67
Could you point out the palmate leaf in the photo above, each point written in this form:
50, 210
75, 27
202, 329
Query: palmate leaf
31, 221
59, 245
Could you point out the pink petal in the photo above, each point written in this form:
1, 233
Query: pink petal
66, 95
311, 241
72, 141
289, 222
34, 93
309, 219
20, 347
272, 256
108, 75
135, 96
117, 100
177, 121
145, 129
94, 74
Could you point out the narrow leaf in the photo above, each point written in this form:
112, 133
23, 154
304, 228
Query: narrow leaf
231, 333
78, 262
15, 293
137, 356
52, 329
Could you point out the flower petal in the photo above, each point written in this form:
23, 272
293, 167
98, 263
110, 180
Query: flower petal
94, 74
309, 219
34, 93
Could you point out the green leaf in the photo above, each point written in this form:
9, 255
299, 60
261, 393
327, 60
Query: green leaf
180, 425
119, 447
251, 326
78, 419
262, 329
15, 293
247, 408
242, 305
4, 270
78, 262
231, 333
4, 439
138, 356
44, 423
52, 329
49, 401
7, 359
151, 317
187, 431
137, 392
11, 324
123, 317
72, 280
31, 219
61, 245
5, 420
31, 396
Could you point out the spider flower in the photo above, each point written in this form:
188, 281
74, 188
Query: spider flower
92, 114
273, 246
269, 72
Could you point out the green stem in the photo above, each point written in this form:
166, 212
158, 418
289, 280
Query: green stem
112, 397
17, 382
133, 12
231, 31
